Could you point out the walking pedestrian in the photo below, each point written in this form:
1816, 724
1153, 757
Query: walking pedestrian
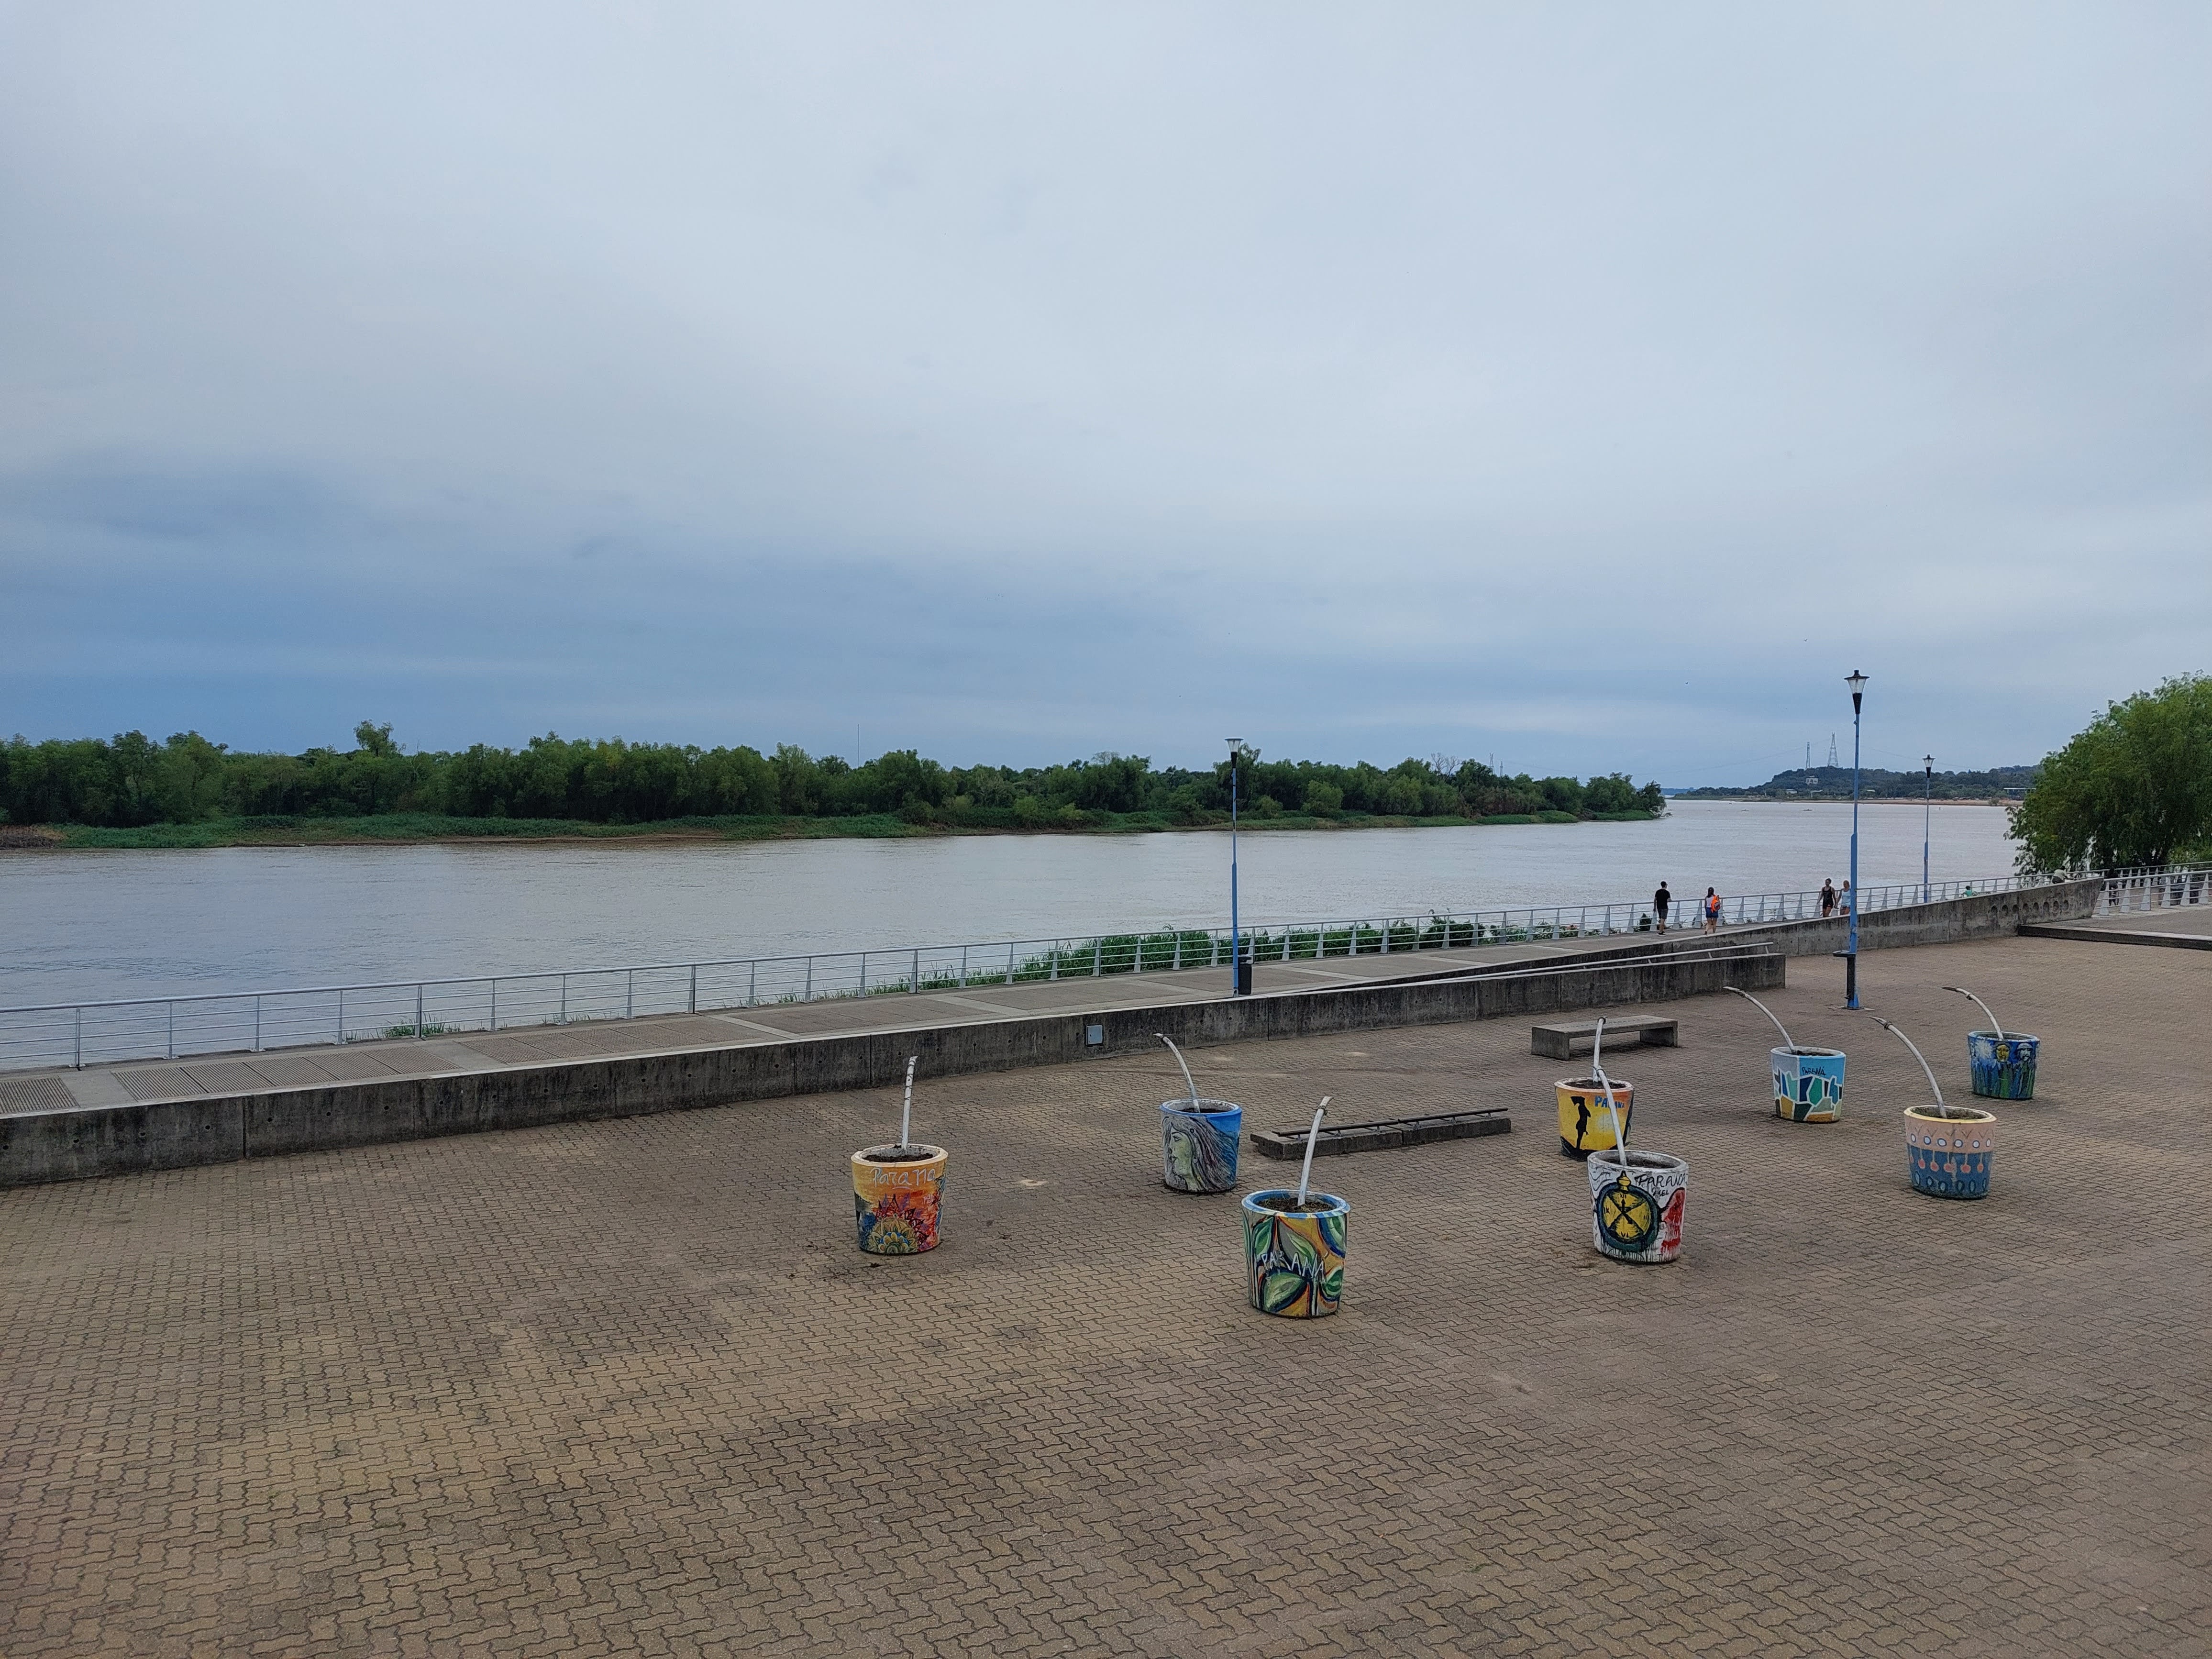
1844, 899
1827, 896
1712, 911
1661, 902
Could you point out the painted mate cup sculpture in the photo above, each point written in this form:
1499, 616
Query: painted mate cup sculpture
898, 1190
2001, 1063
1294, 1245
1637, 1197
1808, 1082
1199, 1138
1636, 1208
1584, 1124
1949, 1151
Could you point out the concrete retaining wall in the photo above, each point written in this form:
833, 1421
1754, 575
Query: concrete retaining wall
69, 1145
1947, 922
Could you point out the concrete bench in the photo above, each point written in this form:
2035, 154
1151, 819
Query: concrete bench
1558, 1041
1383, 1133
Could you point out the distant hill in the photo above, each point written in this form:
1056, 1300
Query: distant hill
1834, 783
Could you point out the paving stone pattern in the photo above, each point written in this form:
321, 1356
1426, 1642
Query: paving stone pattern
628, 1387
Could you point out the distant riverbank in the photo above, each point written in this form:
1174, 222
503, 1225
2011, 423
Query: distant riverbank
399, 829
1845, 800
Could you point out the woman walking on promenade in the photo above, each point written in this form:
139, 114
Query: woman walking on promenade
1712, 911
1827, 896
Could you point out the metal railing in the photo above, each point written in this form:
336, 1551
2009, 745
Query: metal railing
2128, 891
252, 1022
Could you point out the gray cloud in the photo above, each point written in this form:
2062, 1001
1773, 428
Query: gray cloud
1591, 386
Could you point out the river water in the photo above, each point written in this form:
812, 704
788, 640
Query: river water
101, 925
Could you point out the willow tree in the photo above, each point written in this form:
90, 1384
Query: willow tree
2135, 788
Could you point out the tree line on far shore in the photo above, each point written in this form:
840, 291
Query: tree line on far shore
1834, 783
132, 780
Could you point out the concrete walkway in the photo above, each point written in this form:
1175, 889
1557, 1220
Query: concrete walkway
318, 1066
2186, 928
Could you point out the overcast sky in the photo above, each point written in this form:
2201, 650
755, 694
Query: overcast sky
1587, 386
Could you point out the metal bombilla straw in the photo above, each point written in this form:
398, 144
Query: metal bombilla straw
1942, 1110
1186, 1081
1619, 1135
1769, 1013
1994, 1025
906, 1110
1313, 1139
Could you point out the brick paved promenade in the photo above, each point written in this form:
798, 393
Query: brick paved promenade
627, 1388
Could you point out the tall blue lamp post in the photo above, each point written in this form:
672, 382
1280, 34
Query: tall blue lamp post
1238, 985
1926, 819
1856, 681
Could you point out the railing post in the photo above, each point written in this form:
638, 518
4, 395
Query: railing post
1176, 965
1097, 957
964, 967
691, 1003
1009, 964
914, 978
80, 1039
494, 1001
1054, 975
171, 1053
257, 1021
564, 999
864, 973
752, 982
629, 994
1386, 939
807, 995
418, 1012
1286, 945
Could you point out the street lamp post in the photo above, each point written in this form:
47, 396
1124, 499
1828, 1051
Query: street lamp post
1926, 819
1236, 982
1856, 681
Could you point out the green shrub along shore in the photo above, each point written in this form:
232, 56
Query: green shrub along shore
133, 791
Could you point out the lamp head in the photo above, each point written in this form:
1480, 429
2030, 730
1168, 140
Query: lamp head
1928, 761
1856, 681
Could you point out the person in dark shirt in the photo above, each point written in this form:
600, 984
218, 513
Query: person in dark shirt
1827, 896
1661, 902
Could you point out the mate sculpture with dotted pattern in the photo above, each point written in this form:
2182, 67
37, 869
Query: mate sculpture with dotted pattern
1949, 1151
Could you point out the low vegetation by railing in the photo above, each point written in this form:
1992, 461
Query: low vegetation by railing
66, 1034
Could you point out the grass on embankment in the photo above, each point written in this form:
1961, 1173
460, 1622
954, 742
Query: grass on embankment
410, 827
